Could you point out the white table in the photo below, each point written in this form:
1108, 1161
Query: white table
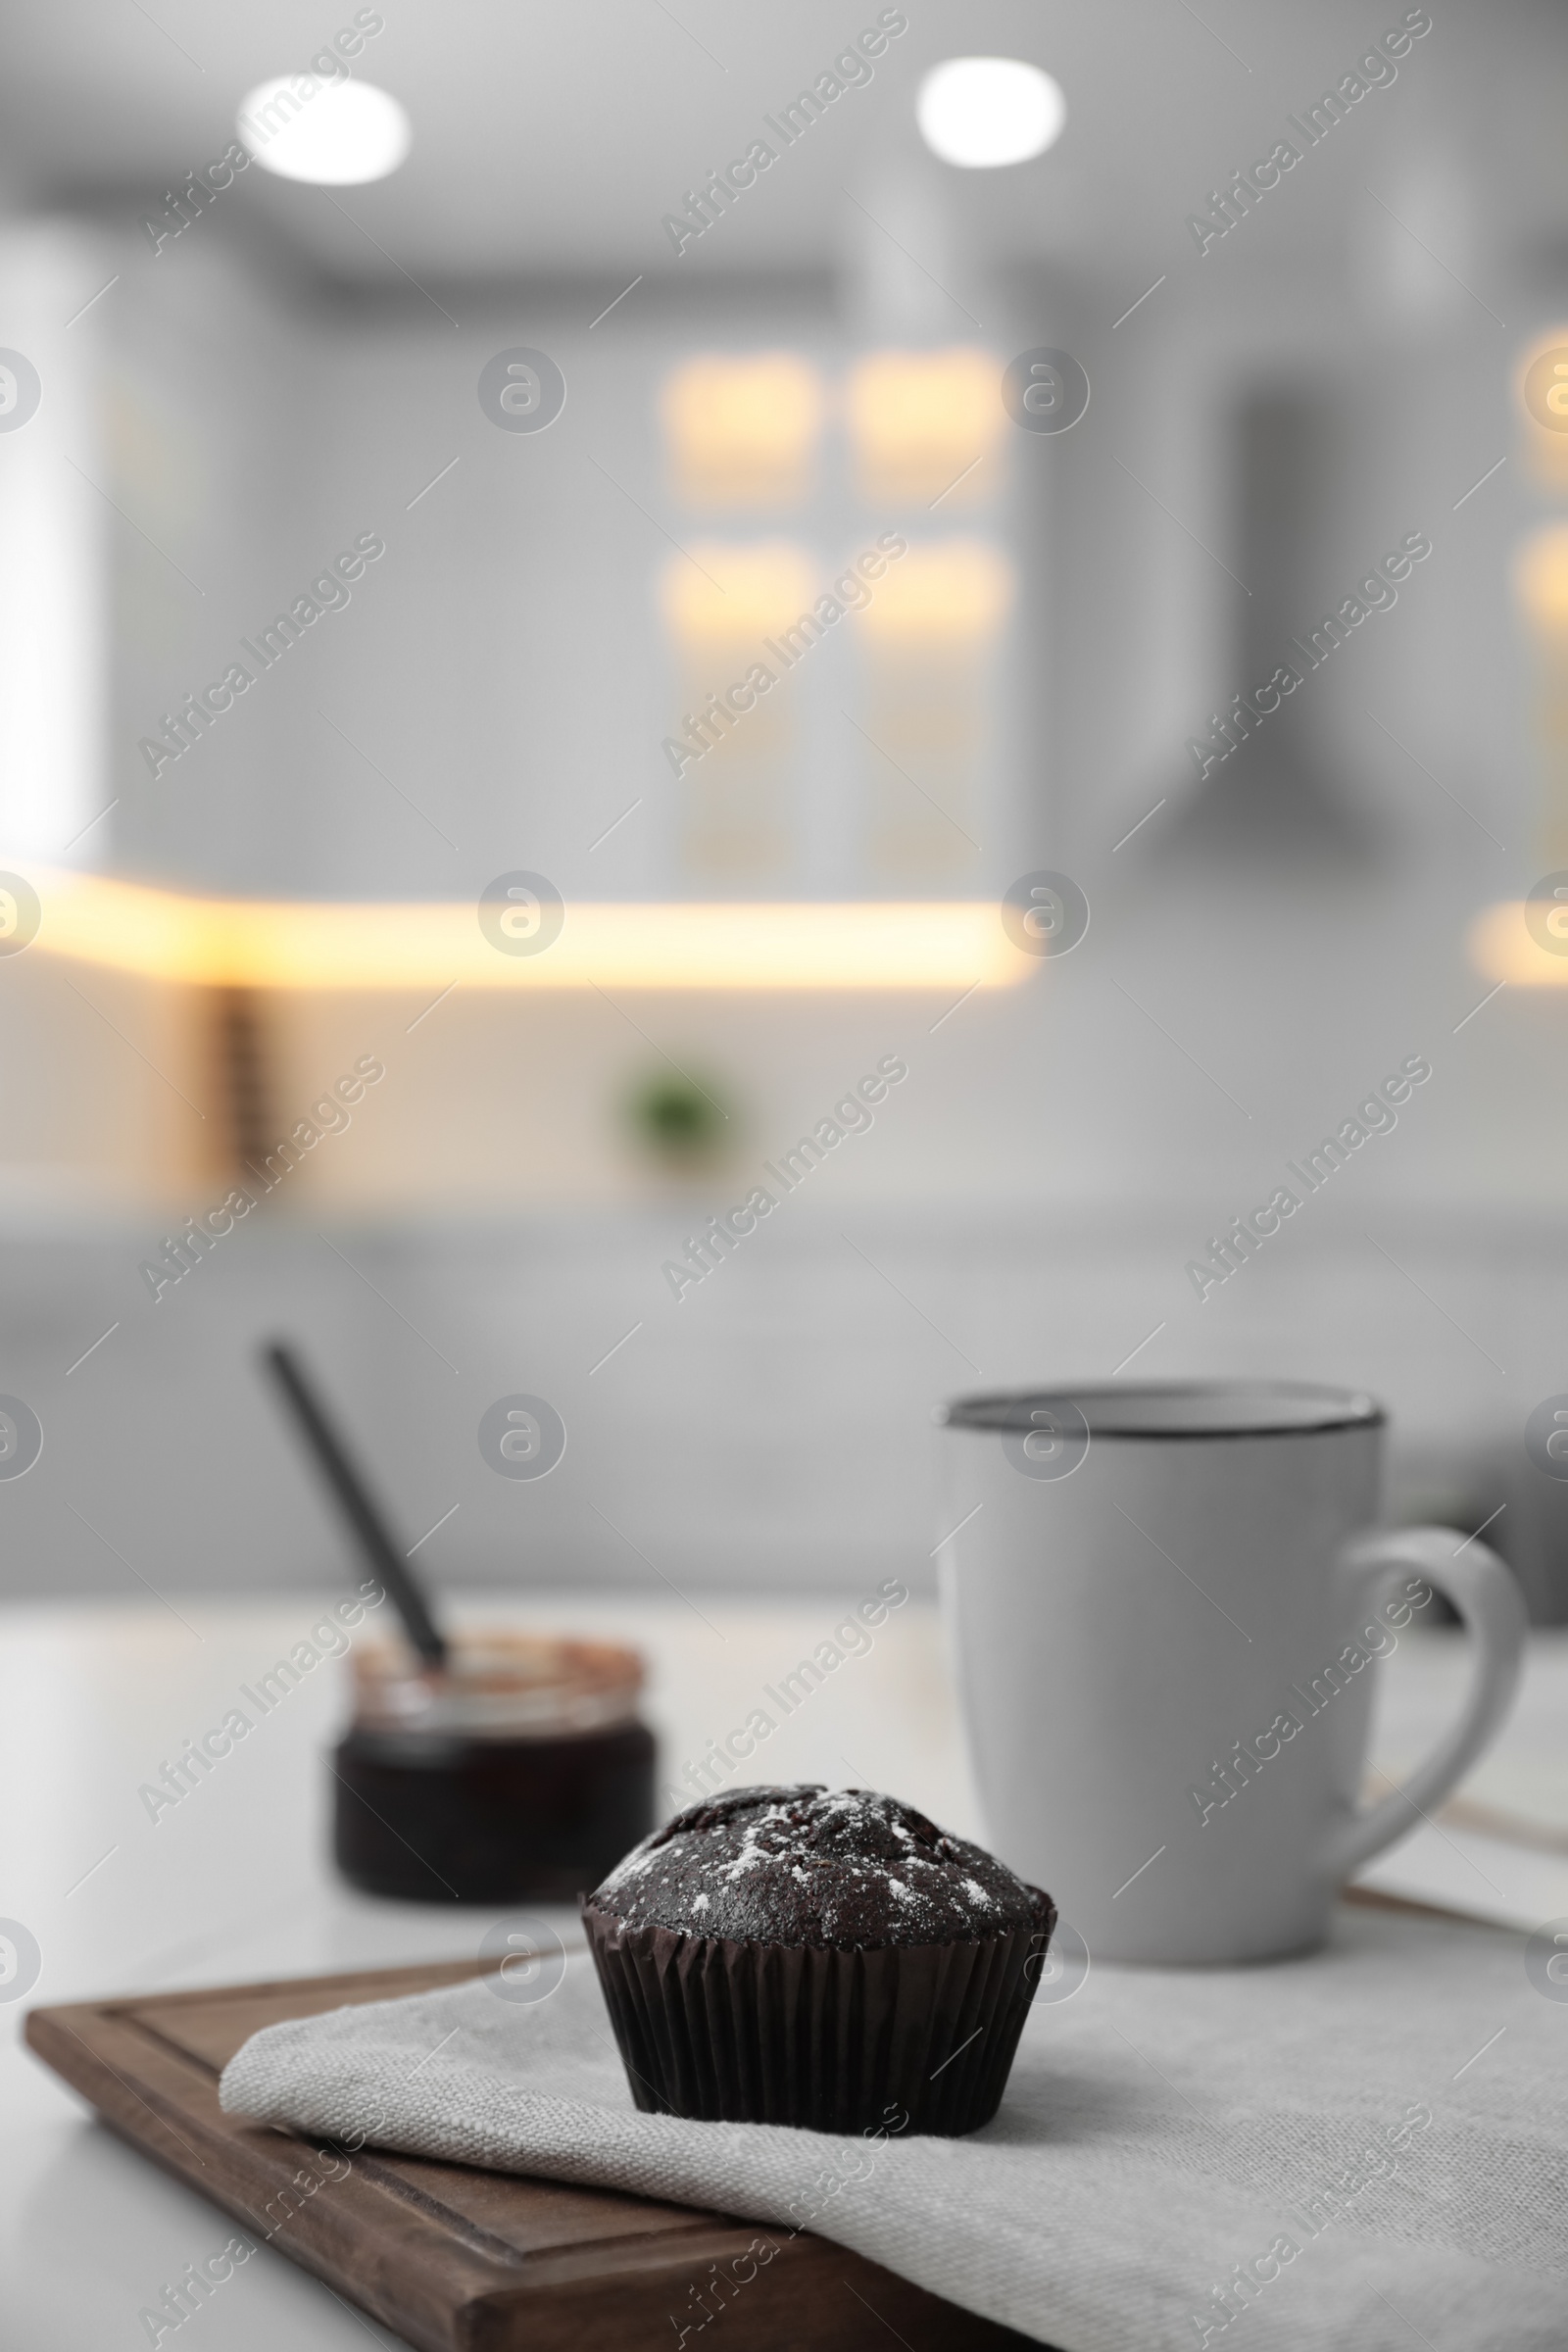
235, 1884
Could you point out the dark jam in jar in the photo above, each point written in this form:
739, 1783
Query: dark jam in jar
520, 1772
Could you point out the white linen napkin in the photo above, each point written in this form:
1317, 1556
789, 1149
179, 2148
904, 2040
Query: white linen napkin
1377, 2135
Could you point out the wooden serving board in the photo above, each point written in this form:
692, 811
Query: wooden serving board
450, 2257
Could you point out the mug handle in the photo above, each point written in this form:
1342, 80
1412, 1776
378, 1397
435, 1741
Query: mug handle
1487, 1598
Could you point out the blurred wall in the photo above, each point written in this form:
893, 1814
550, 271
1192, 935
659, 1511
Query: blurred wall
770, 1428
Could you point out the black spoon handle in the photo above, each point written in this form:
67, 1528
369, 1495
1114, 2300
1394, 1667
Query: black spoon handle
370, 1528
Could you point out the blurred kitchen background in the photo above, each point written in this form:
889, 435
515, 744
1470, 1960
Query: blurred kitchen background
237, 379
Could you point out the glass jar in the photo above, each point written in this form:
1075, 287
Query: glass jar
520, 1771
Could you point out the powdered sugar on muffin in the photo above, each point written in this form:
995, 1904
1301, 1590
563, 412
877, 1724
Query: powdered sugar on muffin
806, 1865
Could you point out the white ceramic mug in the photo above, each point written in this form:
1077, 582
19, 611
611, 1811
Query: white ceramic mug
1165, 1606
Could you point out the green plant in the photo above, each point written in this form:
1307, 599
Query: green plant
677, 1121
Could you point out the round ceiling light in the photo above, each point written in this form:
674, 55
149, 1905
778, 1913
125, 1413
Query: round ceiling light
336, 133
979, 112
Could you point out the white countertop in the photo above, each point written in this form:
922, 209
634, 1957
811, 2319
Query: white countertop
235, 1883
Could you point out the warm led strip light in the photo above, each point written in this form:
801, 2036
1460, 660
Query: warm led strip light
1502, 949
248, 943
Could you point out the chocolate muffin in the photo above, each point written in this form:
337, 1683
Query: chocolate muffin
831, 1960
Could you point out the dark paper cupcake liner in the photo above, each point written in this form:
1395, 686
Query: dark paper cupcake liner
831, 2041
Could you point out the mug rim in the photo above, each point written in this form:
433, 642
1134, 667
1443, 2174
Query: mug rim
1240, 1409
